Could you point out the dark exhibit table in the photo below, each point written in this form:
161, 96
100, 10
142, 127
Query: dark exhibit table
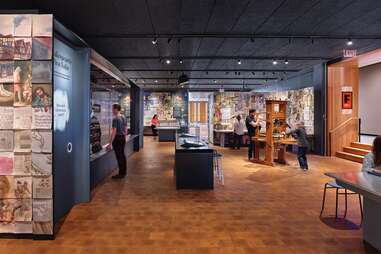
167, 134
369, 186
193, 165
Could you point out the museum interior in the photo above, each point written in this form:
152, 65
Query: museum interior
190, 126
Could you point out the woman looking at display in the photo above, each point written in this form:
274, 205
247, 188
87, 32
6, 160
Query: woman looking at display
238, 132
373, 159
154, 124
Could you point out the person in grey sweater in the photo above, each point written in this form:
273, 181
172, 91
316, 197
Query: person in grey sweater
301, 136
373, 159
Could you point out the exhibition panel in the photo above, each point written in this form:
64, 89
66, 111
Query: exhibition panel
26, 101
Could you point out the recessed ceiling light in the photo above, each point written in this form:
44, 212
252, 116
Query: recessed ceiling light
275, 62
154, 41
156, 81
349, 42
215, 81
239, 62
167, 61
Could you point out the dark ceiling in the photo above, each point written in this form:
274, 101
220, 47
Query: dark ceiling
210, 36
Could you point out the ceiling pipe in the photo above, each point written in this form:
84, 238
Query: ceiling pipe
238, 36
302, 58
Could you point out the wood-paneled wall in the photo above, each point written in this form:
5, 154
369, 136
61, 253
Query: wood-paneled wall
342, 128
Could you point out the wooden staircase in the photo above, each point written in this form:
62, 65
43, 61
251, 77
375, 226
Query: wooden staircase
355, 152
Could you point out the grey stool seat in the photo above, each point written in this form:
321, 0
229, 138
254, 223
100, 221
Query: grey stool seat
340, 190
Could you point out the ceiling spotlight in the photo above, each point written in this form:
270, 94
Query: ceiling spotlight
154, 41
156, 81
239, 73
207, 72
181, 61
349, 42
239, 62
273, 73
286, 61
253, 73
167, 61
226, 72
275, 62
215, 81
169, 40
171, 72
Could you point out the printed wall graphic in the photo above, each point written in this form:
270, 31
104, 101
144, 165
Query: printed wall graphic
22, 25
42, 96
41, 164
25, 79
22, 72
6, 118
16, 227
42, 118
42, 48
6, 141
42, 25
15, 210
22, 48
22, 164
42, 187
6, 163
61, 110
41, 141
42, 210
22, 119
6, 48
6, 71
23, 141
6, 95
6, 28
41, 71
16, 187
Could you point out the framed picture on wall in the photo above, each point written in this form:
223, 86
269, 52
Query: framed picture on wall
346, 100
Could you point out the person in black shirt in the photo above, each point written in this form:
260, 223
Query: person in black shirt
118, 140
252, 122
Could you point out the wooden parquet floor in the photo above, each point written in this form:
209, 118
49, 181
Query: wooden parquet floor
259, 210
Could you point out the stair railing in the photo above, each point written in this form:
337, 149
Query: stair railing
343, 134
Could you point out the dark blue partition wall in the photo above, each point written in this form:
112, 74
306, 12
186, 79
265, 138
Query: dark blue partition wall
71, 127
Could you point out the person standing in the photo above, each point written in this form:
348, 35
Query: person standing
238, 132
252, 123
154, 124
301, 136
118, 140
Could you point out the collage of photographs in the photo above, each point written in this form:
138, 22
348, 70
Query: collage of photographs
26, 183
